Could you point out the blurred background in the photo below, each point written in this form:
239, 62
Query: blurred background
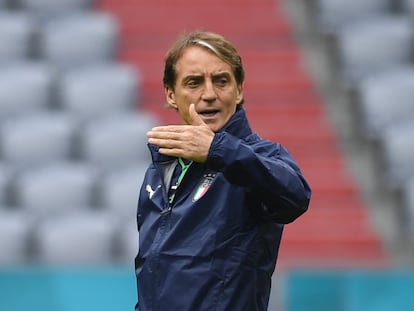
81, 84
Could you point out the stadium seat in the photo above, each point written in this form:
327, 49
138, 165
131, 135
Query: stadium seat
374, 44
96, 90
332, 14
407, 6
117, 140
386, 99
119, 188
75, 239
15, 228
127, 240
408, 193
5, 180
16, 35
55, 188
25, 87
37, 138
80, 39
398, 144
52, 8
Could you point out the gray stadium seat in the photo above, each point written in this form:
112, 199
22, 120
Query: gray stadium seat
76, 40
56, 188
38, 138
398, 143
374, 44
16, 35
104, 89
117, 140
119, 188
77, 238
408, 189
127, 240
15, 228
386, 99
46, 8
25, 87
332, 14
407, 6
5, 182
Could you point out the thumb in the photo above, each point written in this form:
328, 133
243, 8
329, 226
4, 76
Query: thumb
194, 117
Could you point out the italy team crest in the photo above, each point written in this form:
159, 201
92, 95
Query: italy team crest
203, 186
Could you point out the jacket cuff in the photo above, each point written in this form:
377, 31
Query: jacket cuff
215, 159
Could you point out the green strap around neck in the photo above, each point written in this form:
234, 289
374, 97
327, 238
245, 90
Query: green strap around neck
184, 169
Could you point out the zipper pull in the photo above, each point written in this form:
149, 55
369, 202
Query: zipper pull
166, 211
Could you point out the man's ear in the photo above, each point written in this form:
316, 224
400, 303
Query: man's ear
239, 97
170, 97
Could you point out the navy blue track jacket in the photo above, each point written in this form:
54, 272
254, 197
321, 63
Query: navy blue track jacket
215, 247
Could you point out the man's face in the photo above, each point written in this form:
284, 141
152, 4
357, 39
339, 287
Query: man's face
206, 81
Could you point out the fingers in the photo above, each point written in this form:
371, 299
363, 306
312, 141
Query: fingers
165, 129
169, 136
191, 141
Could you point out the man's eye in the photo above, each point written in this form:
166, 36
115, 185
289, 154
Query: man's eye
192, 83
222, 82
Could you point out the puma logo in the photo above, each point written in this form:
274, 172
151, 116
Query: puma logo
150, 191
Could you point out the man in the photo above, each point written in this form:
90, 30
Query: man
209, 240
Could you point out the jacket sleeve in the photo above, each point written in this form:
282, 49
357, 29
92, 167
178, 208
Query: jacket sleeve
264, 168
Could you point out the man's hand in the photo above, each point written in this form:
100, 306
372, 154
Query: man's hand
190, 142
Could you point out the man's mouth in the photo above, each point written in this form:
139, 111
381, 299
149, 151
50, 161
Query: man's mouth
208, 113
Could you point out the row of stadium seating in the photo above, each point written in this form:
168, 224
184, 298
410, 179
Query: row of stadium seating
372, 49
72, 136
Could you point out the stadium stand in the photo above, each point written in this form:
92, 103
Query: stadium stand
88, 237
107, 141
15, 230
374, 44
398, 144
51, 8
407, 6
381, 133
80, 39
64, 95
385, 99
100, 90
36, 138
331, 15
119, 187
4, 183
408, 192
379, 103
25, 87
55, 188
16, 34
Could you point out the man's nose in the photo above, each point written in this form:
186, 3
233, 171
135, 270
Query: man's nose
209, 92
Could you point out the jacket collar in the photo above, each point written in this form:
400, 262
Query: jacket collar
238, 126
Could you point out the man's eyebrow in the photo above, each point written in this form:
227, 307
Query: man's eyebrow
222, 74
199, 77
192, 76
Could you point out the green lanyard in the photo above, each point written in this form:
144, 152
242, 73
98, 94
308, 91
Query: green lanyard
184, 169
173, 188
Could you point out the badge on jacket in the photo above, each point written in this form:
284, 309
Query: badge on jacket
203, 186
